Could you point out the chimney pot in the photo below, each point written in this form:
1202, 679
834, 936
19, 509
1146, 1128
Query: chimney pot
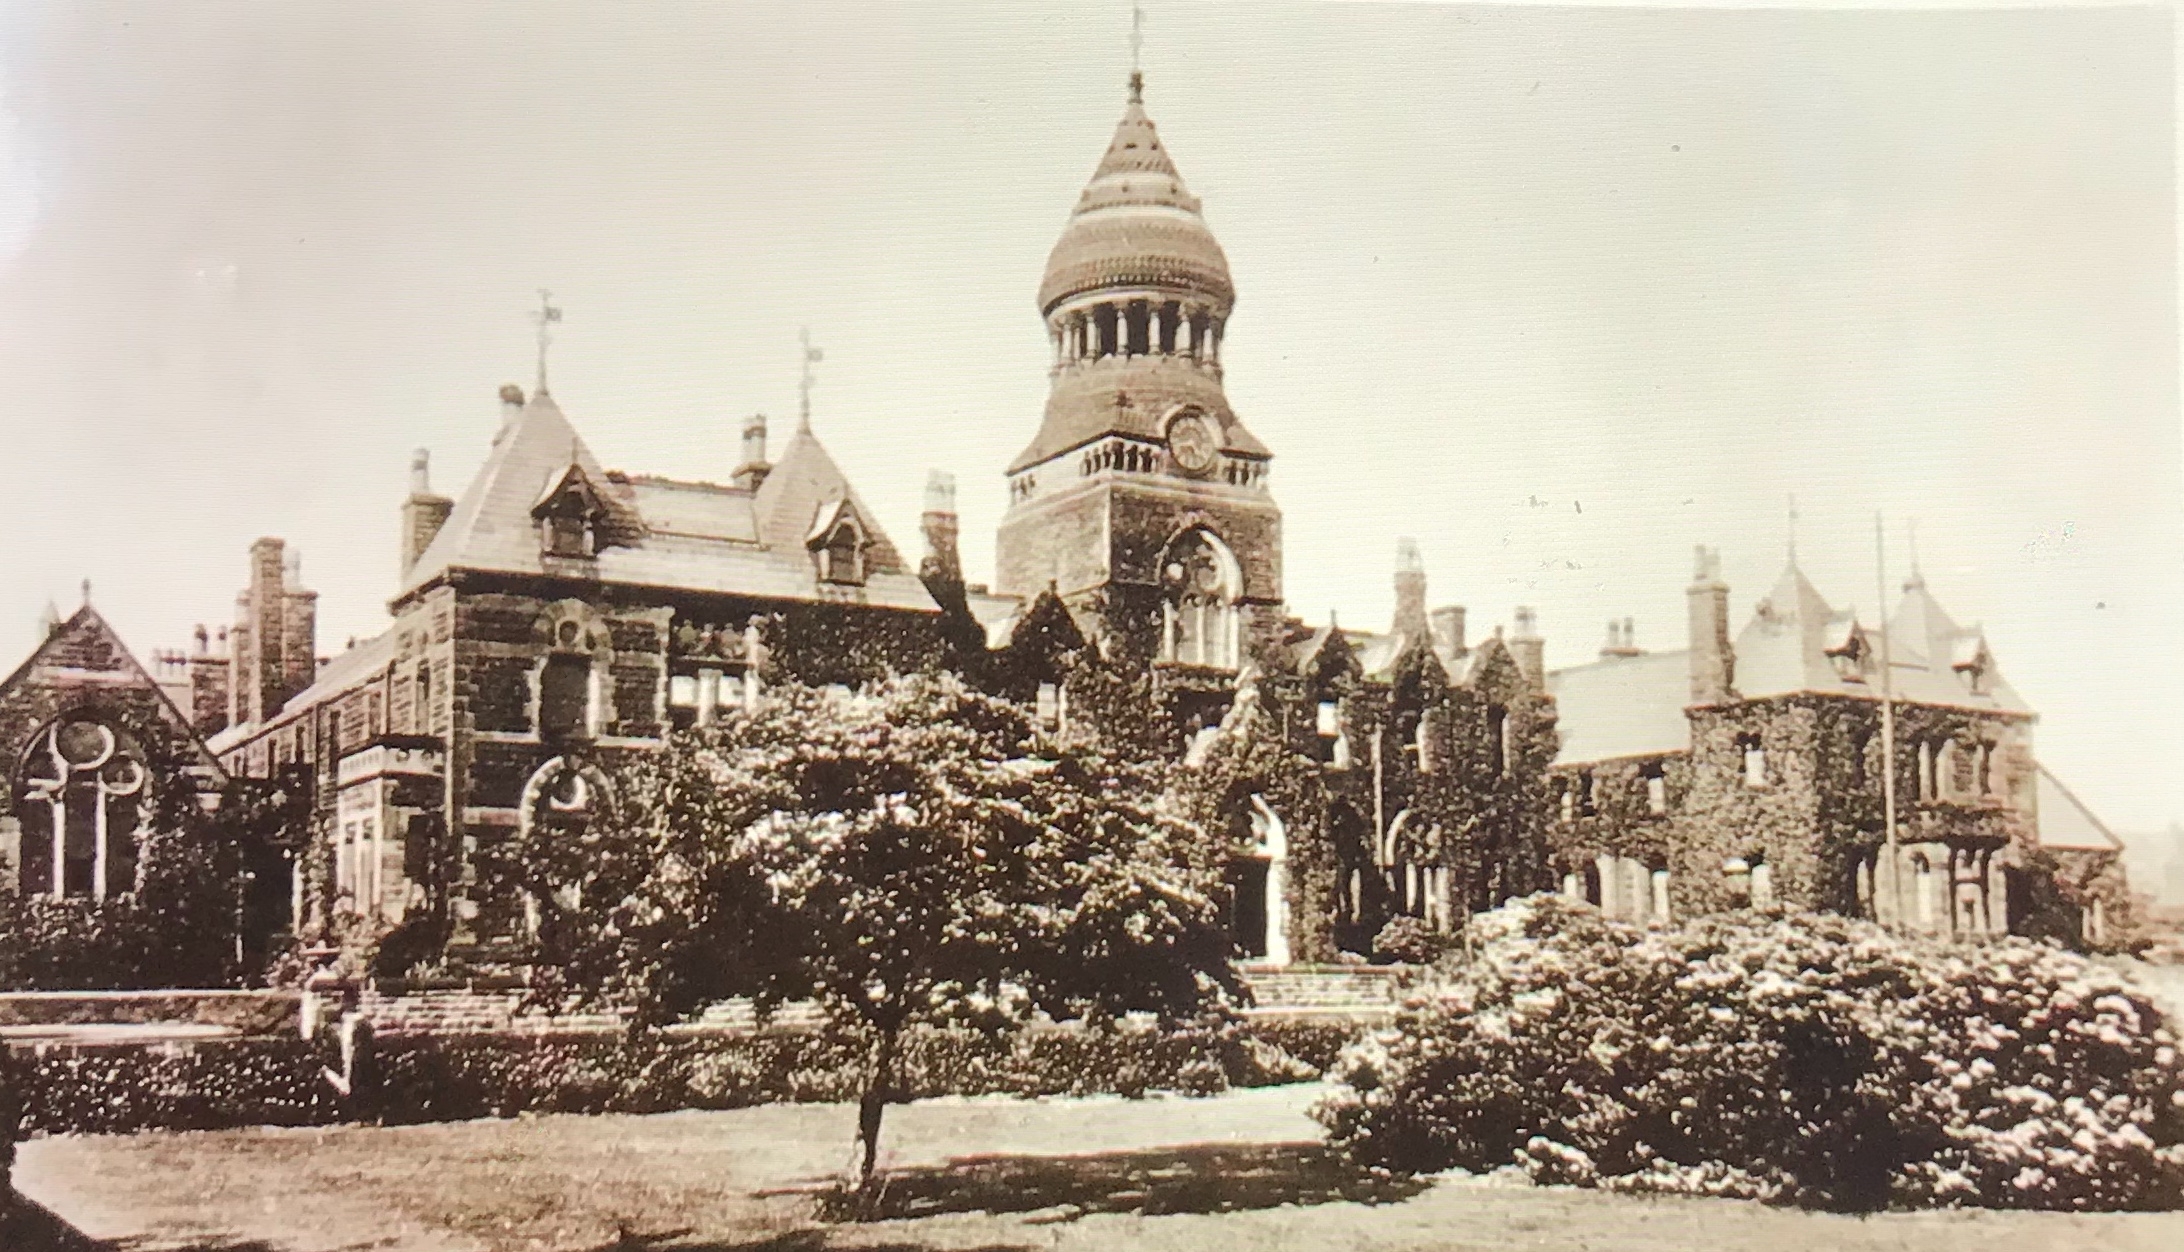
940, 492
1713, 660
753, 470
1410, 591
1528, 649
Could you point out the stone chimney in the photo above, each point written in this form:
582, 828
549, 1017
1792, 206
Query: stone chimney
1447, 624
1410, 591
209, 687
1622, 639
1713, 661
273, 646
423, 513
754, 468
299, 625
942, 563
1528, 649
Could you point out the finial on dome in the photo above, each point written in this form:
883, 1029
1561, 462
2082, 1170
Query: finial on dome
1137, 48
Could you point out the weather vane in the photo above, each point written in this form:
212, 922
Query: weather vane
812, 356
544, 319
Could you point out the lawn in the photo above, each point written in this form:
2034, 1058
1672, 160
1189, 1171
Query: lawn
1243, 1170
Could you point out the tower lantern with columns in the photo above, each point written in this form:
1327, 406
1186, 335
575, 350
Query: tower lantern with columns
1142, 501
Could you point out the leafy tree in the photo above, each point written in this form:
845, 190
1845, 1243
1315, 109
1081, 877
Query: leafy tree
914, 853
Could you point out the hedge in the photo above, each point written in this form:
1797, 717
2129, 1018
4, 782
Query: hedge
426, 1078
1804, 1059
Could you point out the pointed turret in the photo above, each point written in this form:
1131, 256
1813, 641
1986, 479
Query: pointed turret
1136, 297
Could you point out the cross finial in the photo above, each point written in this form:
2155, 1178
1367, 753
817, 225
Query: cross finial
544, 319
1137, 49
1793, 528
812, 356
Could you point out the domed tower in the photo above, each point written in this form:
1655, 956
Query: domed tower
1143, 500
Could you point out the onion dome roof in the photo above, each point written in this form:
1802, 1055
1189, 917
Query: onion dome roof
1136, 224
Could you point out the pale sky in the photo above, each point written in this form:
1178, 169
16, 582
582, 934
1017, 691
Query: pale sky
1559, 292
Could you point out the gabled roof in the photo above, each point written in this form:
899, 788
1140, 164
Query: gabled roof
1631, 706
85, 653
831, 515
803, 483
2065, 821
659, 532
491, 526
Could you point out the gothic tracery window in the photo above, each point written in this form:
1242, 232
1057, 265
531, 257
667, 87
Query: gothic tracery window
1199, 582
85, 793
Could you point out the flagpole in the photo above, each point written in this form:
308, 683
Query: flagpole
1888, 715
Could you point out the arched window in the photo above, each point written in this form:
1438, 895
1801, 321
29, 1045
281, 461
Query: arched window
562, 800
1754, 755
1200, 581
421, 712
85, 793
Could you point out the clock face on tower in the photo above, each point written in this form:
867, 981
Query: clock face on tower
1191, 441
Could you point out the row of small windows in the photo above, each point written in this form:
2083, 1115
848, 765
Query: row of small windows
1335, 741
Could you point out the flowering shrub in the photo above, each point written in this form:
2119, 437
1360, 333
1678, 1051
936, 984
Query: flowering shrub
1410, 941
1804, 1059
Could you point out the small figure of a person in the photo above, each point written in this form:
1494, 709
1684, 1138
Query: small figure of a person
358, 1078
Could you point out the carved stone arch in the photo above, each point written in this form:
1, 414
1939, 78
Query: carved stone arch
574, 626
565, 791
561, 799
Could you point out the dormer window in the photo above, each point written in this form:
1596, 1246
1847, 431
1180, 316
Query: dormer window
842, 559
568, 516
568, 536
837, 543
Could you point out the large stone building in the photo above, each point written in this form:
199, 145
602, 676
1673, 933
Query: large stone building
558, 614
1883, 769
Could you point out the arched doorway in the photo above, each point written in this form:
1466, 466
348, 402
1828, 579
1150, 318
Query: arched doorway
1258, 881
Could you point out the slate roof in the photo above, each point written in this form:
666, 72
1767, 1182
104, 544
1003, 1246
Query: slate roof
1629, 706
661, 532
1135, 224
1622, 706
2065, 821
352, 667
1135, 228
